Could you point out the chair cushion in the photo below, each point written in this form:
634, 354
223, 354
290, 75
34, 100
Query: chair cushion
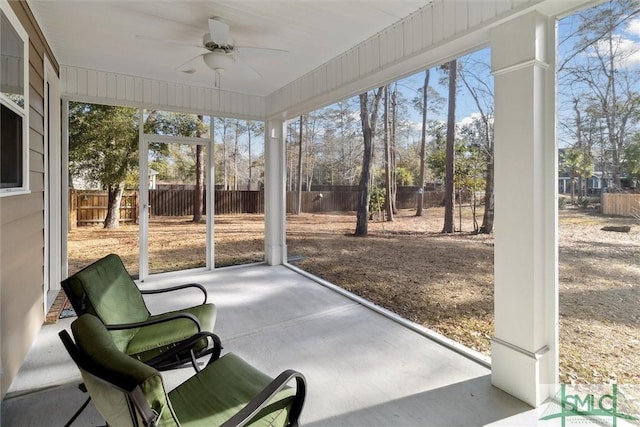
107, 291
150, 341
223, 388
97, 346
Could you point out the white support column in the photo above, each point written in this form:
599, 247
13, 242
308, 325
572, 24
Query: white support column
525, 347
274, 194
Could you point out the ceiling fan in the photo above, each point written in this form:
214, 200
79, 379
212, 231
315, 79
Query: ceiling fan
223, 54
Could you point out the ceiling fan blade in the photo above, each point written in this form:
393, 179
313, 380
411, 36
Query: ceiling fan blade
244, 70
251, 50
184, 66
219, 32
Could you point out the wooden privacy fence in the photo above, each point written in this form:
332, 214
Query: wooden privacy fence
175, 202
90, 207
347, 201
323, 201
620, 204
229, 202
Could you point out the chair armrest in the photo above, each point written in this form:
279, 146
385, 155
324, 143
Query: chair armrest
187, 345
176, 288
146, 412
262, 399
155, 321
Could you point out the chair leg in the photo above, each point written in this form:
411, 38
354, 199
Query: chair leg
194, 362
78, 412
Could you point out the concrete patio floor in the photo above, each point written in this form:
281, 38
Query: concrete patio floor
362, 367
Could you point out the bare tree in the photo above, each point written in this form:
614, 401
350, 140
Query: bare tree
238, 131
393, 150
476, 77
423, 144
449, 187
249, 132
387, 157
198, 194
343, 118
290, 155
223, 131
597, 71
299, 181
369, 119
311, 130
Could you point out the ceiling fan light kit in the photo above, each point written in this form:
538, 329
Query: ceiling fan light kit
218, 61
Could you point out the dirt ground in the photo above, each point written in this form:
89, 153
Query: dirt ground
444, 282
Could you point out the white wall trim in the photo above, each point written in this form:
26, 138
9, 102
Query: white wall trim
521, 66
53, 260
530, 354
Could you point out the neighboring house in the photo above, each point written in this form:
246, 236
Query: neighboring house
592, 186
103, 61
153, 179
595, 185
84, 183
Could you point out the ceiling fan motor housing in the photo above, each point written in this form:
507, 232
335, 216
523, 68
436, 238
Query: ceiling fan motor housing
211, 45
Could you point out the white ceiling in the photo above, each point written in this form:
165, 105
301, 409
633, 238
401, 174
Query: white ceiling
154, 39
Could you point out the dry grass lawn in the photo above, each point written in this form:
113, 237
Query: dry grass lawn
444, 282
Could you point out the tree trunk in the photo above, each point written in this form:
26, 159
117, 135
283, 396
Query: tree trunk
487, 219
299, 182
394, 164
113, 206
449, 187
423, 145
369, 120
459, 209
236, 156
198, 195
362, 223
290, 158
225, 155
387, 159
615, 134
250, 165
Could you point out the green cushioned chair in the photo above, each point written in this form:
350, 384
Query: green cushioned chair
227, 392
106, 290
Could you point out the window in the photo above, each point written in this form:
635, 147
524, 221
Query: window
11, 152
14, 146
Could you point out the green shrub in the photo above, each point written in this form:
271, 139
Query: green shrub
376, 200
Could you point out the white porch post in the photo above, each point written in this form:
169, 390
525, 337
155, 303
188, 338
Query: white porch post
525, 346
274, 193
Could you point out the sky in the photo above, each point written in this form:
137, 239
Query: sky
626, 43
